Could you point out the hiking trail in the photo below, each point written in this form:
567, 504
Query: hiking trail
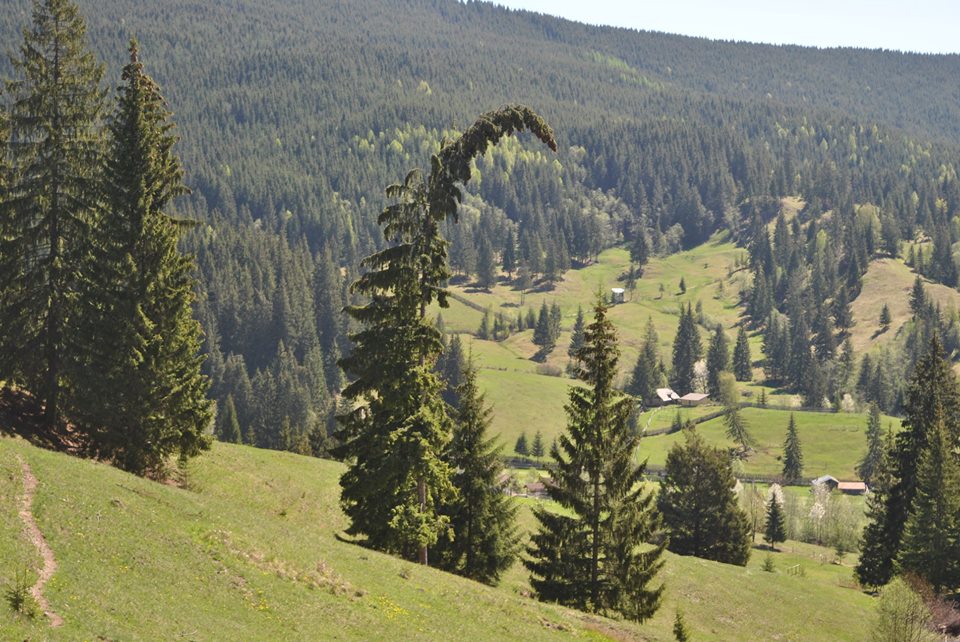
39, 541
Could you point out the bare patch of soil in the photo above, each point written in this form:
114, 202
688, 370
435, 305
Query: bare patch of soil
39, 541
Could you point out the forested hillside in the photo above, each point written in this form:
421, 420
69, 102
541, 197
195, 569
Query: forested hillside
294, 116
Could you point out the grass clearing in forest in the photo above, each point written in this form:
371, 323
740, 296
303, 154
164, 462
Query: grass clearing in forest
832, 443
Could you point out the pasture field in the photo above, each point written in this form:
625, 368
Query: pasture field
251, 547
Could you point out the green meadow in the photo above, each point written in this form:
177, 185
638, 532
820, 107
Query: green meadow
251, 547
832, 443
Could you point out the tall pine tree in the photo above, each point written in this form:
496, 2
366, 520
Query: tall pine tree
45, 224
774, 529
880, 541
733, 419
228, 426
871, 461
482, 541
931, 397
686, 352
396, 435
139, 390
718, 360
648, 372
930, 549
594, 558
742, 363
699, 505
577, 338
792, 455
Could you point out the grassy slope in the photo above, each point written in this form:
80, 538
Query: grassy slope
526, 401
249, 552
832, 443
890, 281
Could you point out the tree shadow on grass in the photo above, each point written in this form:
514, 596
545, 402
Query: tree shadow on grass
22, 415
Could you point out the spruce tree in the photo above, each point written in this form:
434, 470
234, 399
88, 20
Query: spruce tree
228, 427
530, 320
930, 549
774, 529
880, 541
680, 633
871, 461
509, 258
486, 265
699, 506
918, 298
451, 366
931, 397
718, 360
733, 420
49, 208
537, 449
542, 332
842, 314
554, 322
885, 318
577, 337
640, 249
824, 341
777, 348
524, 279
139, 390
397, 433
801, 359
686, 352
792, 455
594, 558
484, 331
482, 541
647, 374
521, 447
742, 362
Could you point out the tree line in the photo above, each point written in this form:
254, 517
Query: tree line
423, 479
96, 318
286, 159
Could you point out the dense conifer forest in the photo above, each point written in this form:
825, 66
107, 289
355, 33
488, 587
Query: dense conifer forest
295, 115
265, 250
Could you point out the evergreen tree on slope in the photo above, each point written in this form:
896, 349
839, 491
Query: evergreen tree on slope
930, 549
396, 435
55, 152
742, 363
686, 352
931, 397
871, 461
593, 559
717, 360
774, 529
482, 542
699, 506
792, 454
647, 373
139, 390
